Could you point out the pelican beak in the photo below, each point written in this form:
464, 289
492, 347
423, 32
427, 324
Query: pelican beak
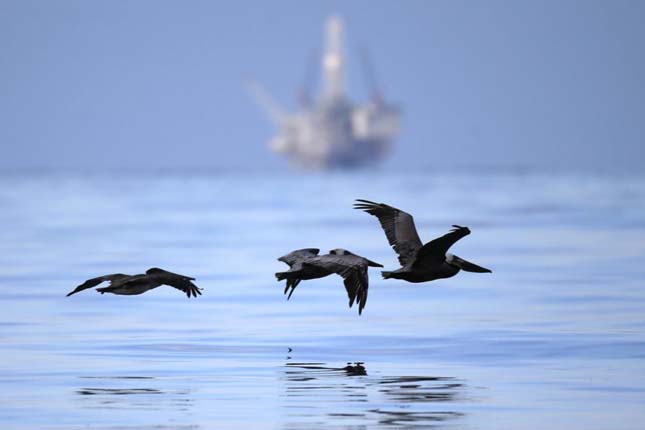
373, 264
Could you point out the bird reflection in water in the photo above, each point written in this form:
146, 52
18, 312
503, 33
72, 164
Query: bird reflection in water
352, 369
319, 395
131, 392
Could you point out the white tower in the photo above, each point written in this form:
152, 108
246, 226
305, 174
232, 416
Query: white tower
334, 59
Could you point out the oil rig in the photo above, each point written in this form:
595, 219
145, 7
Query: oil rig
332, 132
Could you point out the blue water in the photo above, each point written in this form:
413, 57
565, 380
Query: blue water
554, 337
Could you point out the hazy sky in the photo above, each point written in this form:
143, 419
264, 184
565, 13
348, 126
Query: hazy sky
160, 83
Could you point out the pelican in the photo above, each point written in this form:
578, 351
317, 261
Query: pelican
419, 262
129, 285
307, 264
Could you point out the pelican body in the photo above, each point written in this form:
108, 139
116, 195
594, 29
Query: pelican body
305, 264
425, 273
419, 262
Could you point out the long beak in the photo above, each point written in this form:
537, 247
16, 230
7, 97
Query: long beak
373, 264
470, 267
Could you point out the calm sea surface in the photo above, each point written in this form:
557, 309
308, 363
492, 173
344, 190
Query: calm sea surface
554, 338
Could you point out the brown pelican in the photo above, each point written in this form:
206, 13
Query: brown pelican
129, 285
307, 264
419, 262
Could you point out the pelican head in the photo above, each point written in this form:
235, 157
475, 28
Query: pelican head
341, 251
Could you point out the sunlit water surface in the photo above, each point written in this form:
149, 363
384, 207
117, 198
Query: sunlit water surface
554, 338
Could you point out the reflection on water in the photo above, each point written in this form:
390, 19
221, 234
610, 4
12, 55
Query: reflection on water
317, 392
355, 369
420, 388
131, 392
399, 419
117, 391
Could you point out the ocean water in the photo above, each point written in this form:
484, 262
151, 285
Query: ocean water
554, 337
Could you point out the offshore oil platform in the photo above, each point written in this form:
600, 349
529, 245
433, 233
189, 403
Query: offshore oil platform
332, 132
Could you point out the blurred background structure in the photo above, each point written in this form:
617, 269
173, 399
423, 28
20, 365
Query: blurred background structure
332, 132
496, 84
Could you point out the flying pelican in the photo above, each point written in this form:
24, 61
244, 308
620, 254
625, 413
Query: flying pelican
419, 262
307, 264
129, 285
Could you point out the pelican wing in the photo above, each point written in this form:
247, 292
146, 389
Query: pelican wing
353, 270
357, 286
162, 272
435, 250
291, 286
299, 254
184, 285
398, 226
98, 280
175, 280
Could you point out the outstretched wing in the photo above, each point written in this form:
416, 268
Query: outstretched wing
98, 280
175, 280
435, 250
184, 285
353, 270
162, 272
398, 226
298, 254
357, 285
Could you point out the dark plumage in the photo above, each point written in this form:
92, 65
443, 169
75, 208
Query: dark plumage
130, 285
419, 263
295, 261
307, 264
